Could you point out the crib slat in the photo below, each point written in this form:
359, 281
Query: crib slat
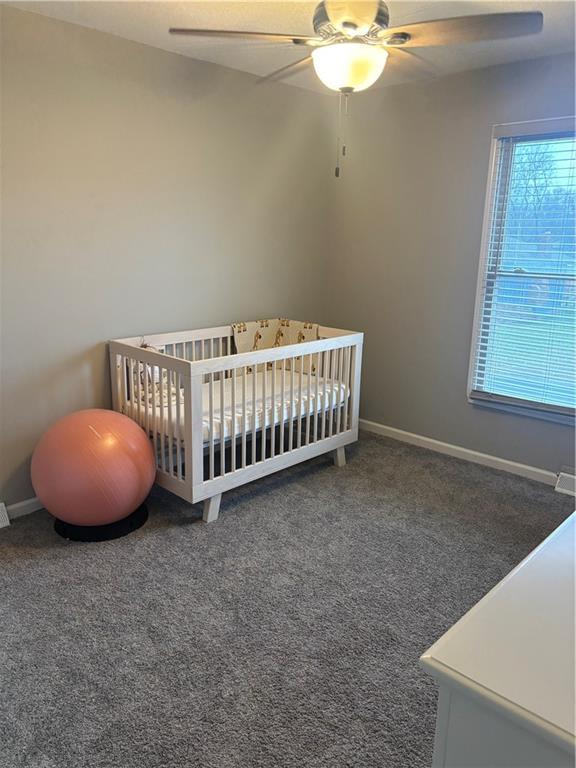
146, 368
211, 424
291, 424
316, 387
132, 388
339, 394
331, 411
162, 420
345, 388
254, 378
331, 393
340, 389
273, 408
243, 416
233, 430
178, 429
264, 413
124, 374
299, 436
170, 413
166, 402
139, 403
142, 405
308, 398
282, 402
333, 381
316, 369
152, 372
325, 359
222, 423
167, 423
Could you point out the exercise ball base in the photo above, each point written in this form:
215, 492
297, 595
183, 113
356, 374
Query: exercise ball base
102, 532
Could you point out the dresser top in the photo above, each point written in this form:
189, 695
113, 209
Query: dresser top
516, 646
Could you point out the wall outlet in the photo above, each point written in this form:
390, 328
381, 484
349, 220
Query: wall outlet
4, 519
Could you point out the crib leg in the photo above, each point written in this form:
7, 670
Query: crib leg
211, 508
340, 457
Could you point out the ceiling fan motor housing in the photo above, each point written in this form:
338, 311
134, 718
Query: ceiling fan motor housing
325, 27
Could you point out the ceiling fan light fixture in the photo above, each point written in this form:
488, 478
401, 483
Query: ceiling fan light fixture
349, 66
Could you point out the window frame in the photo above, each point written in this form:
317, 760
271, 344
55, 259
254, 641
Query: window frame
535, 128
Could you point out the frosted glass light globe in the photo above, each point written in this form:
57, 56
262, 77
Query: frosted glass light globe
348, 66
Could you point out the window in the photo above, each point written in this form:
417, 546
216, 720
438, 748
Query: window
523, 355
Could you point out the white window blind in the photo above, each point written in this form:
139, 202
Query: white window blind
523, 352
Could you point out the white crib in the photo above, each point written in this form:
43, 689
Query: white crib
219, 419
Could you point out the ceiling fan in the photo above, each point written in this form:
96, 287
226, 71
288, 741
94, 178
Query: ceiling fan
353, 40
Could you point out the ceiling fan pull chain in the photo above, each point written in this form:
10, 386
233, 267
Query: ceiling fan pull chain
345, 129
339, 136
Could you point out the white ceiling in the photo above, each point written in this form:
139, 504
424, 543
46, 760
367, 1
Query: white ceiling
148, 22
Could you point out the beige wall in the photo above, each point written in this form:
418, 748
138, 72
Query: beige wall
141, 192
405, 252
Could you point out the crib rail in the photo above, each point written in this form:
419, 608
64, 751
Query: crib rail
219, 419
203, 344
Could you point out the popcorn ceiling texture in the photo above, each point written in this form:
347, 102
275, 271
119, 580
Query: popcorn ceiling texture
286, 634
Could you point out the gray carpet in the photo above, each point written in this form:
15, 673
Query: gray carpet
286, 634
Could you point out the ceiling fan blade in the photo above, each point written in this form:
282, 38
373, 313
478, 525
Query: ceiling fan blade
467, 29
270, 36
401, 63
287, 71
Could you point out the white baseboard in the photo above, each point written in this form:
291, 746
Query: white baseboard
524, 470
24, 507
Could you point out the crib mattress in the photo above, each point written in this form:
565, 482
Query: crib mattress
268, 411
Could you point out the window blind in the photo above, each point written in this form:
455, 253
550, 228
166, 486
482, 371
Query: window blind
524, 344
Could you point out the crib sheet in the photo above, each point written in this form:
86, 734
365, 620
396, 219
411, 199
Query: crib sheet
267, 412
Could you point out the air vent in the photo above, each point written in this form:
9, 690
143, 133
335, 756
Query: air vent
566, 484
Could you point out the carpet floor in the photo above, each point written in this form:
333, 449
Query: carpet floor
285, 634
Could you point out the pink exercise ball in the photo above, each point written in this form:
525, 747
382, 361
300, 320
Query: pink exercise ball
93, 467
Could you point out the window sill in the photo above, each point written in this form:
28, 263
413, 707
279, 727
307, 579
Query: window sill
520, 410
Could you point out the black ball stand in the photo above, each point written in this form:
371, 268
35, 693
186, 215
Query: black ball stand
102, 532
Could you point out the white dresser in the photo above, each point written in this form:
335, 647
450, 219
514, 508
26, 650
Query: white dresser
506, 670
